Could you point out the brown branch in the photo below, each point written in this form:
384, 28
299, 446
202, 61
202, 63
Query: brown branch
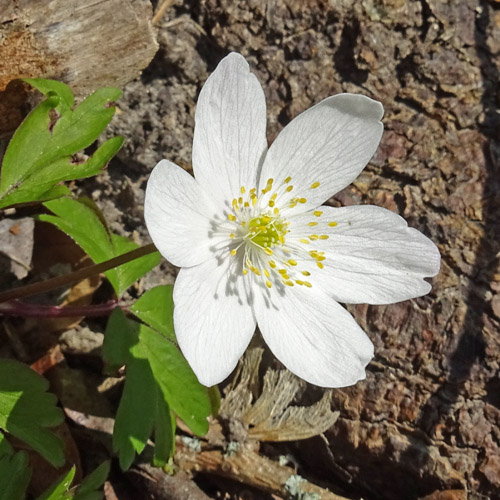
67, 279
247, 467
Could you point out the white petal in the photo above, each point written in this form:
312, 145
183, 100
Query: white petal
372, 256
314, 337
230, 130
329, 143
178, 215
213, 318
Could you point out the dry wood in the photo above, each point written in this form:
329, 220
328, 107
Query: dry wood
85, 44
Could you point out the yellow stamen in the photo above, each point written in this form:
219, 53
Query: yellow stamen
315, 185
269, 284
287, 180
313, 224
231, 217
324, 237
288, 189
303, 240
242, 189
318, 213
332, 224
292, 262
233, 252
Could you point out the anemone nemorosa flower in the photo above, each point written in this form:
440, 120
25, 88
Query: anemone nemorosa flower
256, 247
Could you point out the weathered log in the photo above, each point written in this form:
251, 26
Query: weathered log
84, 44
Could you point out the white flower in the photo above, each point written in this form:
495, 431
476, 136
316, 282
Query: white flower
255, 248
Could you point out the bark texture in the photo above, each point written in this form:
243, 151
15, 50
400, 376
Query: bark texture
427, 416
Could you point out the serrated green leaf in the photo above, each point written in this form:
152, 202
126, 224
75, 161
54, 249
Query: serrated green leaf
15, 475
129, 273
88, 487
180, 387
59, 490
82, 220
156, 308
48, 87
27, 411
135, 417
164, 432
143, 407
40, 153
119, 338
5, 447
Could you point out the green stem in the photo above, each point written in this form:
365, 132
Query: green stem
68, 279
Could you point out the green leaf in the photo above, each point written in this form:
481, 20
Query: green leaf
164, 432
53, 87
40, 154
135, 417
15, 475
156, 308
180, 387
155, 382
82, 220
89, 486
59, 490
27, 410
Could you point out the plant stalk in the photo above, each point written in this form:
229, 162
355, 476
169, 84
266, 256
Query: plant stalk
28, 310
68, 279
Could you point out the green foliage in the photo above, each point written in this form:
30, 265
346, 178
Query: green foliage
82, 220
156, 307
27, 410
40, 154
60, 489
88, 489
15, 475
158, 380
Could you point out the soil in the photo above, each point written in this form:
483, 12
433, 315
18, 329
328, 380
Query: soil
427, 416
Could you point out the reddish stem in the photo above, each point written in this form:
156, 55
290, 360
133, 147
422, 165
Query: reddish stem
27, 310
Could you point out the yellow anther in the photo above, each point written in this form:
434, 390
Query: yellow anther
266, 272
242, 189
315, 185
268, 251
287, 180
282, 271
231, 217
254, 201
313, 237
306, 273
276, 211
243, 223
318, 213
313, 224
292, 262
288, 189
307, 284
324, 237
302, 200
288, 282
255, 270
299, 282
332, 224
271, 203
268, 284
231, 235
245, 272
233, 252
303, 240
235, 202
274, 196
240, 200
293, 204
272, 264
246, 204
270, 181
320, 265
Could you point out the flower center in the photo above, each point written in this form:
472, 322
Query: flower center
259, 231
266, 231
